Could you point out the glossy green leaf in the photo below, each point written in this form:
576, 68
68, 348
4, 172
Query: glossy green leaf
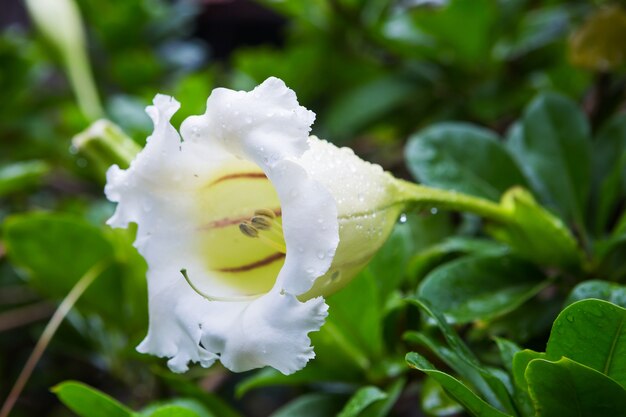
567, 388
362, 399
458, 356
174, 411
520, 363
435, 402
602, 290
438, 156
89, 402
311, 405
531, 320
20, 175
383, 407
180, 407
592, 332
552, 137
478, 377
455, 388
425, 261
481, 287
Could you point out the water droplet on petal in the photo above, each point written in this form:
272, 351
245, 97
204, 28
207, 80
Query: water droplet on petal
320, 255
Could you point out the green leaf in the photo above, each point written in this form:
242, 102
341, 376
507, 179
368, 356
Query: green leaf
438, 157
609, 159
508, 350
609, 256
270, 377
197, 398
89, 402
481, 287
553, 137
388, 265
357, 314
55, 250
20, 175
531, 320
520, 363
536, 234
477, 17
311, 405
455, 388
425, 261
362, 399
461, 358
383, 407
365, 103
567, 388
478, 377
174, 411
592, 332
536, 29
435, 402
602, 290
180, 407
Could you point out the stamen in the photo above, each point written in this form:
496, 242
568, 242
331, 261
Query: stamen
266, 229
265, 213
262, 222
265, 219
274, 243
248, 230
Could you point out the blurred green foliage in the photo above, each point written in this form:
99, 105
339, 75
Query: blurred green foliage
476, 96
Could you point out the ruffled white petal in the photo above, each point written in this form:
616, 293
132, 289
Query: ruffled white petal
265, 125
162, 191
273, 331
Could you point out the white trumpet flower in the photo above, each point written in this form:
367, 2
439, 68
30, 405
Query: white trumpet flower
246, 223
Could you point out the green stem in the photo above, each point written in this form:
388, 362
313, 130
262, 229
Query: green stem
421, 196
66, 305
79, 73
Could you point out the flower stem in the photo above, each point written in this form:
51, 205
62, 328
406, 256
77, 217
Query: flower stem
80, 75
57, 318
421, 196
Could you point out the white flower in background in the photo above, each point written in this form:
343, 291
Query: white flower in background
245, 223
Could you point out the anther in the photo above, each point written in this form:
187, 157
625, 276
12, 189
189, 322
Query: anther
248, 230
261, 222
265, 213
